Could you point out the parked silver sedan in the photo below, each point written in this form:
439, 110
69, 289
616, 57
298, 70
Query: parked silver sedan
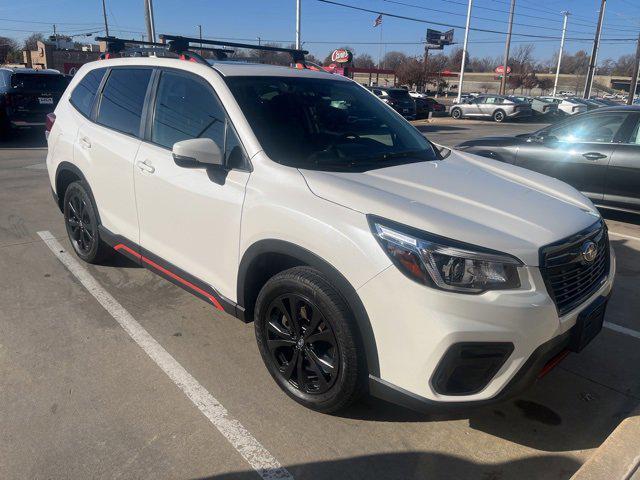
497, 107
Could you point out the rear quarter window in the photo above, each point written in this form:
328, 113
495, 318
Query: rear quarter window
84, 94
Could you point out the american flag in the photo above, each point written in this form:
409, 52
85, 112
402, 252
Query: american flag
378, 21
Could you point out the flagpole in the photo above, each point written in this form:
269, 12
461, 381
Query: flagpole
380, 48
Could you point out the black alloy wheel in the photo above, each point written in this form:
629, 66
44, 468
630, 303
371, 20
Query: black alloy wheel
302, 344
81, 221
81, 227
309, 340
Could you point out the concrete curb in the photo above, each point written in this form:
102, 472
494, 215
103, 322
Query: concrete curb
618, 458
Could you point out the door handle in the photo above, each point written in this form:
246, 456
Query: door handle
593, 156
84, 142
146, 166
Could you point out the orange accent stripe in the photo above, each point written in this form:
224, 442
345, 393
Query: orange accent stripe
551, 364
186, 283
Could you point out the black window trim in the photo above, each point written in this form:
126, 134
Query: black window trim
97, 94
151, 110
98, 103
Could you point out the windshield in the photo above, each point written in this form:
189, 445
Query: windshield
326, 124
39, 82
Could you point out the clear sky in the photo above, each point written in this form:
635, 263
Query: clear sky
325, 27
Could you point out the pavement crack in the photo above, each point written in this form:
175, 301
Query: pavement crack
626, 394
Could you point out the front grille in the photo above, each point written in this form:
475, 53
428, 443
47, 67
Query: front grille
570, 279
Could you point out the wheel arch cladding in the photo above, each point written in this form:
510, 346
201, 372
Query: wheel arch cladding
66, 174
266, 258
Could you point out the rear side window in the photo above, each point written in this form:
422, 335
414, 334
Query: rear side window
186, 108
123, 98
85, 92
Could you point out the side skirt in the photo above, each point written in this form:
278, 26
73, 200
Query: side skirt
172, 273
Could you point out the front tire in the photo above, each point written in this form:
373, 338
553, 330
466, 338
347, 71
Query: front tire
456, 113
308, 340
81, 220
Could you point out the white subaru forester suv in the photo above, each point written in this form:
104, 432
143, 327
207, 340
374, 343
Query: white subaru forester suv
369, 260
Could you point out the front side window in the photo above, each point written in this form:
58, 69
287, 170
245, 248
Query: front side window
326, 124
186, 108
123, 98
593, 128
85, 92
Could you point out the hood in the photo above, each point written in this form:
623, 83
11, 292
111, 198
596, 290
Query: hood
466, 198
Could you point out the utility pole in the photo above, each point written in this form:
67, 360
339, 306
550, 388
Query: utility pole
104, 15
425, 61
55, 36
148, 16
259, 40
634, 76
464, 51
200, 35
298, 14
594, 52
564, 32
503, 80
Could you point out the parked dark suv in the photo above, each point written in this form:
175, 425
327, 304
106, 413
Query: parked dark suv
398, 98
27, 96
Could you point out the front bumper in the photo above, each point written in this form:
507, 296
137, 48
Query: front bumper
520, 114
414, 326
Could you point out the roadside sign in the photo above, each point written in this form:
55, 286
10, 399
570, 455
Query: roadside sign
500, 70
341, 56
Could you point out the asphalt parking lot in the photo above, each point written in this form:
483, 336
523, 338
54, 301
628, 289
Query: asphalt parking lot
181, 391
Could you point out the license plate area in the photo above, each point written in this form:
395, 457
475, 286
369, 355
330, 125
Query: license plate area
45, 100
588, 324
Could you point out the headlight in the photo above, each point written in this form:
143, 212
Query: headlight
445, 264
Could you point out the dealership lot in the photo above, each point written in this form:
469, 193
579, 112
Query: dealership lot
84, 397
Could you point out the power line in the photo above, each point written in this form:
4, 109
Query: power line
474, 16
442, 24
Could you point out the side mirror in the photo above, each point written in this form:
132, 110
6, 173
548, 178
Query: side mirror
198, 150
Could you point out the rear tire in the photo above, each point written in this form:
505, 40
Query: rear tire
456, 113
499, 116
308, 340
81, 220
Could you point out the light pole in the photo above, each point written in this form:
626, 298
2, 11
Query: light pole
148, 15
564, 32
503, 80
464, 51
594, 53
298, 33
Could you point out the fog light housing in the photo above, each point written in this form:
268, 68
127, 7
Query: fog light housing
466, 368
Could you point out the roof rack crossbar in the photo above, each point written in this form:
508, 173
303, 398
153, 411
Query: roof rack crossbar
122, 45
184, 42
182, 46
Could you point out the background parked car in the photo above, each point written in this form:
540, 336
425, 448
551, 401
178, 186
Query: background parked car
398, 98
27, 96
539, 106
597, 153
567, 106
497, 107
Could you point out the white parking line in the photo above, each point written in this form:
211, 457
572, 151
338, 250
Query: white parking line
621, 329
622, 235
251, 450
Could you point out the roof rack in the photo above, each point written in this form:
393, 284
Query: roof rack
184, 43
123, 46
182, 47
